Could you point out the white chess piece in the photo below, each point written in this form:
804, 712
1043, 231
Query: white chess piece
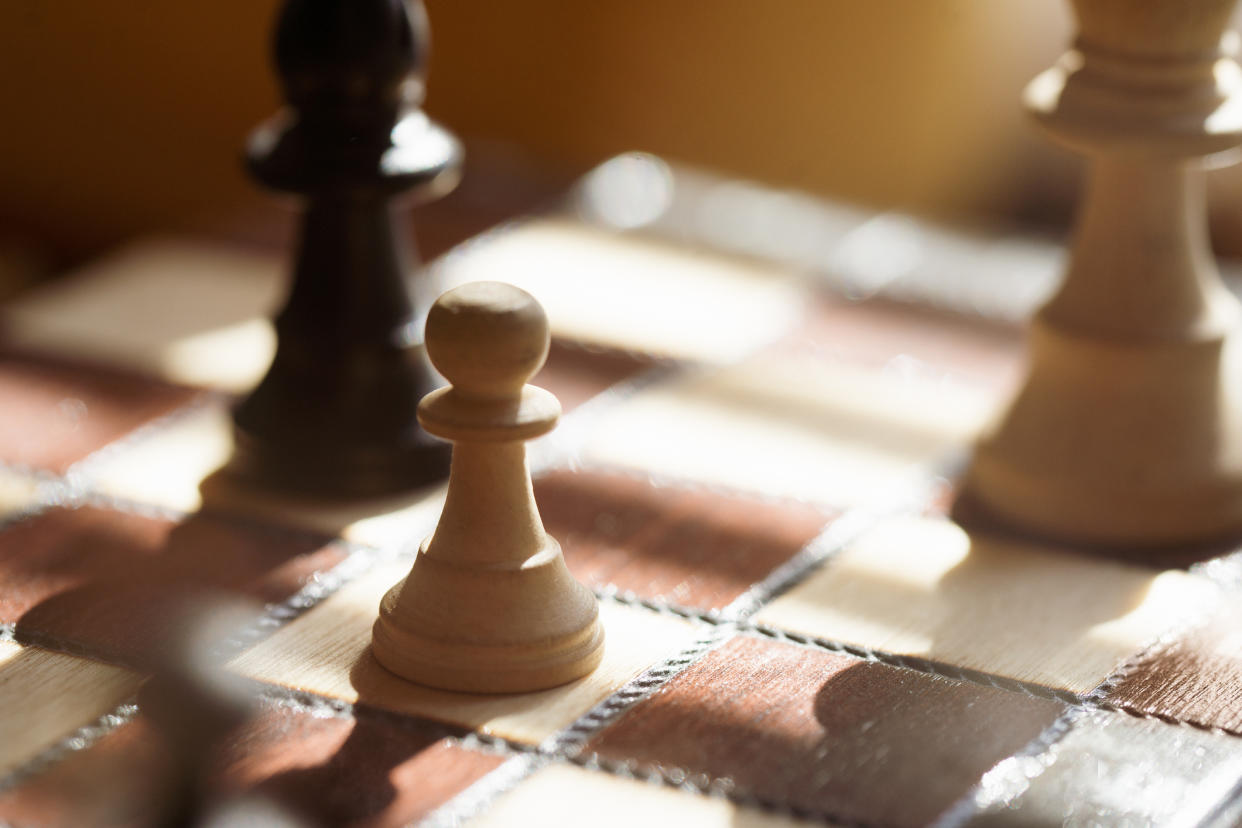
1128, 430
489, 605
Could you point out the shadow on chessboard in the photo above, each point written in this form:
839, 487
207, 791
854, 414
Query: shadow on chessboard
110, 582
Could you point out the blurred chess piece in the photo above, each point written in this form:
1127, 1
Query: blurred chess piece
489, 605
336, 412
196, 707
1128, 430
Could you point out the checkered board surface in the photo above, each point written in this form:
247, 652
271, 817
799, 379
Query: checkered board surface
753, 474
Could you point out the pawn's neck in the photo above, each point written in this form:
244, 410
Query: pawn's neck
490, 516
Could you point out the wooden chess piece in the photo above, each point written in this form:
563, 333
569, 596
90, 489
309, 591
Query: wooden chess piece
196, 707
489, 605
1127, 430
336, 412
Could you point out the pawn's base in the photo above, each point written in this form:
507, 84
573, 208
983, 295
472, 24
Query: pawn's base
1112, 443
469, 667
489, 630
1060, 508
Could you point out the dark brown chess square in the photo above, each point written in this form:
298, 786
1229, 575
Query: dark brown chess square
691, 548
1195, 676
53, 413
371, 769
827, 733
331, 770
110, 580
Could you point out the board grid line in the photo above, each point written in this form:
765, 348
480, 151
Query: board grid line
1029, 762
79, 740
479, 796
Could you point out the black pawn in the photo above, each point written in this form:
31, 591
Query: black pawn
336, 412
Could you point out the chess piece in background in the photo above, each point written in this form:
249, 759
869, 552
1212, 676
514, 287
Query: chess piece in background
336, 412
489, 605
1127, 430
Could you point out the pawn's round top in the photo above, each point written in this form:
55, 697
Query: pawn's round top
365, 55
487, 339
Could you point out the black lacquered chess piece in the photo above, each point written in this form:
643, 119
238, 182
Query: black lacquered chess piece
336, 412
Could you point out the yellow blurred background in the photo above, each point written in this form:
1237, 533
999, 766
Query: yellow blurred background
127, 118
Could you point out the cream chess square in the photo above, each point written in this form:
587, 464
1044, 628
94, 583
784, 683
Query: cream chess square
187, 312
560, 796
1114, 769
635, 294
46, 696
793, 427
924, 587
167, 467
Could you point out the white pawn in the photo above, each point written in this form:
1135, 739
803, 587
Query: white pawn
489, 606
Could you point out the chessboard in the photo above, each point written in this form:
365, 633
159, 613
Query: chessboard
768, 403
